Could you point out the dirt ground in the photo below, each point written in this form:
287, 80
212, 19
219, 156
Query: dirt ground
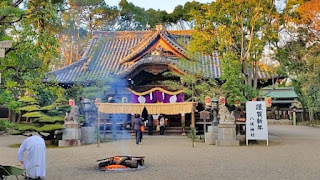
293, 153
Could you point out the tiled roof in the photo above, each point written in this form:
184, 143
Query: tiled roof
286, 92
107, 50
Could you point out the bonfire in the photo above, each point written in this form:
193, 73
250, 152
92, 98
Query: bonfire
121, 162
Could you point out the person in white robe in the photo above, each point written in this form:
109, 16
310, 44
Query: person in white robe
35, 159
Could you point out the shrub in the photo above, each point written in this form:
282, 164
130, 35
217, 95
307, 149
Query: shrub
4, 124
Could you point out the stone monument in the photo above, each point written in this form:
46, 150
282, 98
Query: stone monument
72, 132
227, 127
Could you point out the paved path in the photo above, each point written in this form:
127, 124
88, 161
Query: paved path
293, 153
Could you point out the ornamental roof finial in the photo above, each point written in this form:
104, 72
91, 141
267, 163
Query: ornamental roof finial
160, 27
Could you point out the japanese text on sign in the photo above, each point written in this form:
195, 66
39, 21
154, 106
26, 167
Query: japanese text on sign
256, 120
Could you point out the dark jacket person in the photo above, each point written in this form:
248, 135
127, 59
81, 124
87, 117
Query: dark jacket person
150, 124
136, 123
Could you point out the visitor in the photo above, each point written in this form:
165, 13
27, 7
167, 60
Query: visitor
35, 161
150, 125
136, 125
161, 124
144, 116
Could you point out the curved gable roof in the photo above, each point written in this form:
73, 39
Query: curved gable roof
108, 52
146, 44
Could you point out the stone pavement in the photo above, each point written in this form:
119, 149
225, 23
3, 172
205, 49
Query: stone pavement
293, 153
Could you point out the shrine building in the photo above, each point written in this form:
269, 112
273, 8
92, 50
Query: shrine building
137, 61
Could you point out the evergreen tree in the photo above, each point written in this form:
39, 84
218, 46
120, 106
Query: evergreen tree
45, 120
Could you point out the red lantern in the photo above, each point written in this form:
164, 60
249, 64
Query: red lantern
207, 100
71, 102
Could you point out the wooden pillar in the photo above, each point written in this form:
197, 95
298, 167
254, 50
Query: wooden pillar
193, 128
104, 129
98, 131
294, 117
183, 123
132, 117
192, 119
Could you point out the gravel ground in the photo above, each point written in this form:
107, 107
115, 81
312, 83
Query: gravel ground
293, 153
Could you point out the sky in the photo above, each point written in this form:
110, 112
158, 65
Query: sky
167, 5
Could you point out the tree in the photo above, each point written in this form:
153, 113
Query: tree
196, 87
47, 119
182, 15
239, 30
299, 56
94, 13
34, 48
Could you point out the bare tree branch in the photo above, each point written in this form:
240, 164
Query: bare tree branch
17, 3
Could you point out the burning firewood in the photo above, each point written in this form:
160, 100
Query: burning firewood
120, 162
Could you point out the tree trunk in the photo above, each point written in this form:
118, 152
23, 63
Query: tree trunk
19, 118
310, 115
304, 113
255, 75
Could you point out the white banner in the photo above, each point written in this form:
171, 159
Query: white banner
256, 121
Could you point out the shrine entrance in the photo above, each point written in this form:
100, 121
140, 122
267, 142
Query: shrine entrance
172, 110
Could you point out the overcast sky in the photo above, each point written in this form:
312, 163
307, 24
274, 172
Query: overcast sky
167, 5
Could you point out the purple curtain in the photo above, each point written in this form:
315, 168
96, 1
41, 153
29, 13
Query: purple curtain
156, 96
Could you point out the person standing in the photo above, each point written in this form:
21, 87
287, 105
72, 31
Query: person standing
144, 117
35, 161
136, 125
161, 124
150, 125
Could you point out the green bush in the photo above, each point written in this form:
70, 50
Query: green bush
4, 124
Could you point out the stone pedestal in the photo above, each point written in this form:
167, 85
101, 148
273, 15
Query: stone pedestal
227, 135
212, 135
87, 135
71, 135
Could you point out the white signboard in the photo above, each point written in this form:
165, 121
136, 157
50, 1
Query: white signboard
2, 53
5, 44
256, 121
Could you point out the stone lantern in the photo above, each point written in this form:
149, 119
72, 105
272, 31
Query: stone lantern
215, 103
87, 108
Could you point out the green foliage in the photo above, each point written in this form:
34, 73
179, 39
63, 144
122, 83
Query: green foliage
238, 31
95, 14
48, 108
299, 57
81, 119
233, 86
136, 18
75, 92
4, 124
30, 108
301, 62
35, 114
51, 119
28, 100
16, 132
96, 89
46, 119
195, 86
50, 127
34, 47
25, 127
